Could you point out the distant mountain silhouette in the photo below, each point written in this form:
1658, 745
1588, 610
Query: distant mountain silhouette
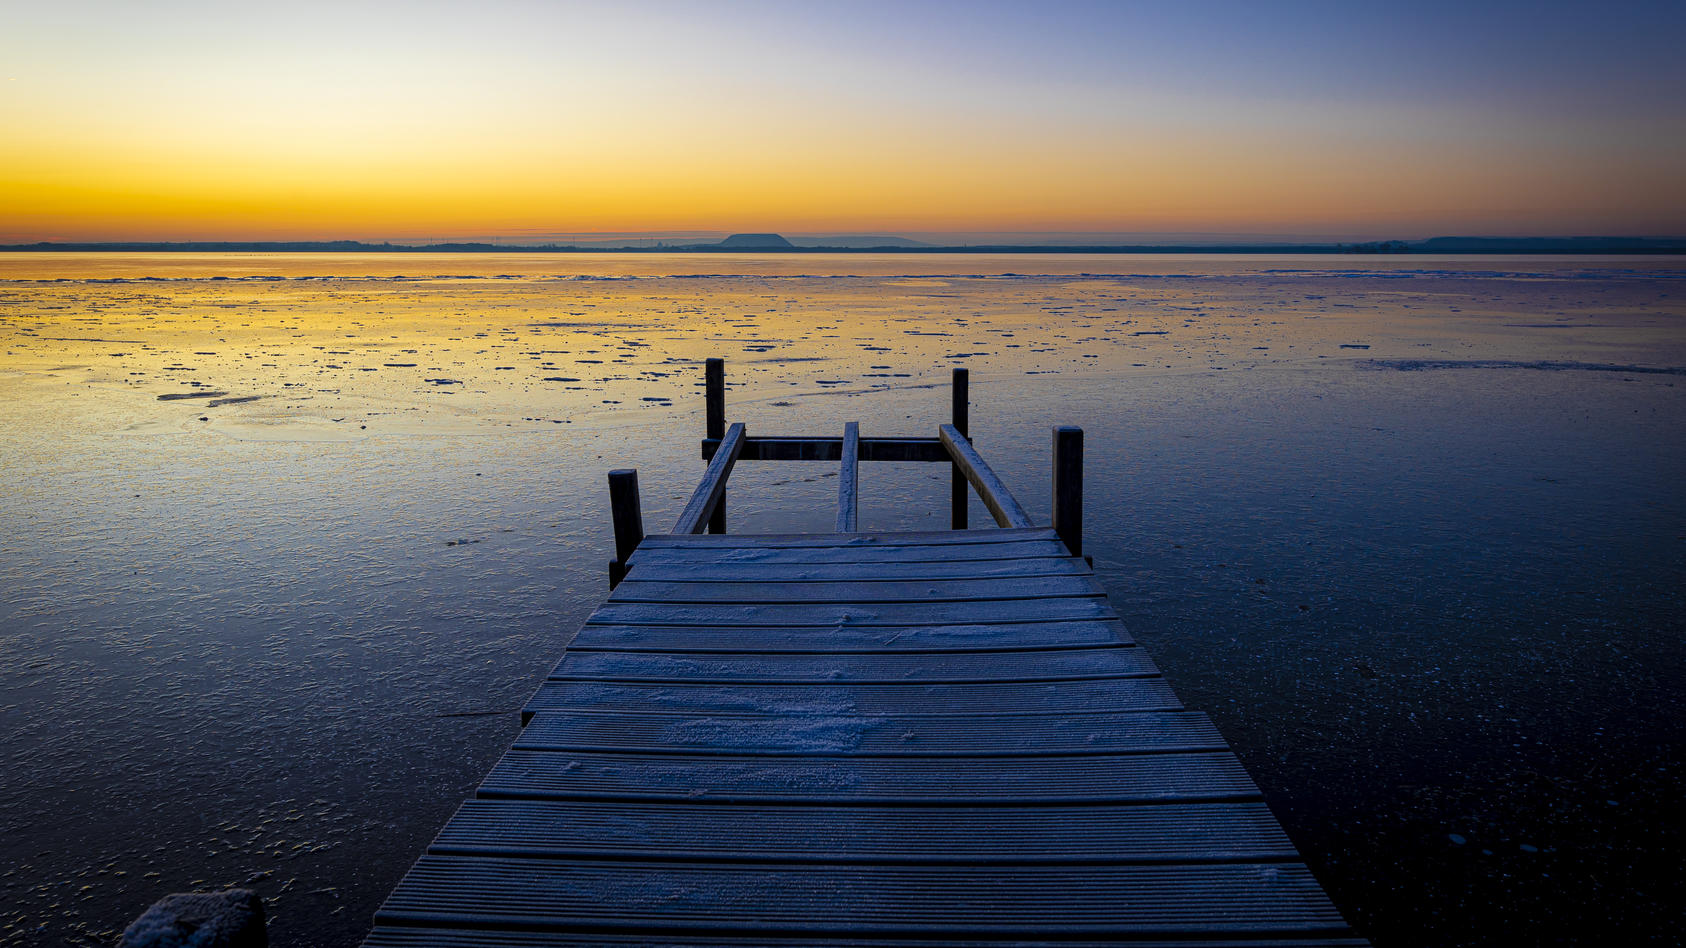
860, 242
755, 242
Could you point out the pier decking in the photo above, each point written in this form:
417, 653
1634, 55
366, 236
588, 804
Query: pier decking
862, 738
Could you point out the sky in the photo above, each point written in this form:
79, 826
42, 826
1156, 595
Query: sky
526, 120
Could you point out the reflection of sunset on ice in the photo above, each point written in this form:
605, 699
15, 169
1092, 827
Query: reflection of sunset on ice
313, 347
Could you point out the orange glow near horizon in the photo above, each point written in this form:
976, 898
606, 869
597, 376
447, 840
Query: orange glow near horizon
284, 140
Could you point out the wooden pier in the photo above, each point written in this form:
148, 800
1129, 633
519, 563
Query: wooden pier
859, 738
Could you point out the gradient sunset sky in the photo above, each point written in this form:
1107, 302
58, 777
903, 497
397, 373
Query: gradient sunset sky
425, 120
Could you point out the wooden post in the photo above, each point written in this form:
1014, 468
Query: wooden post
957, 479
714, 387
848, 493
1068, 487
629, 521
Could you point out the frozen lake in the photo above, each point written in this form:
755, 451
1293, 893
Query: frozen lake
286, 541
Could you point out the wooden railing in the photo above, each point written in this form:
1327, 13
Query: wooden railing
725, 446
991, 491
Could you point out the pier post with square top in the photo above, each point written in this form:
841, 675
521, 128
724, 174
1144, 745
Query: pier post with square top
628, 518
714, 387
1068, 487
957, 479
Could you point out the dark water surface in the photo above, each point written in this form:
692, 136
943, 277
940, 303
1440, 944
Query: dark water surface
1412, 530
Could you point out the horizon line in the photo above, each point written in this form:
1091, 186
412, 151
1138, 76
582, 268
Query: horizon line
770, 242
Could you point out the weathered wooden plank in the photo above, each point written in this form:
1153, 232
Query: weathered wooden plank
433, 936
918, 538
701, 778
848, 492
636, 589
1013, 835
709, 492
1063, 697
984, 901
1022, 636
649, 552
880, 667
928, 735
831, 449
991, 490
776, 572
884, 613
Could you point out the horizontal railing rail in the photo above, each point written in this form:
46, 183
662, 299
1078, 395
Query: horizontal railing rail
831, 449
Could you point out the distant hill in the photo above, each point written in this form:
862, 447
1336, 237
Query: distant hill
754, 242
863, 242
